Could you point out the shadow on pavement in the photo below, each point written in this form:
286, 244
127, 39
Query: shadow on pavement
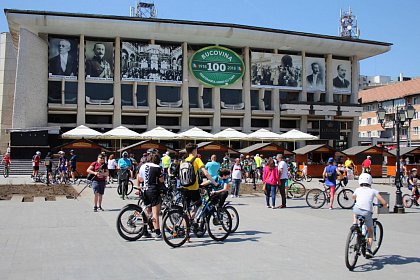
379, 262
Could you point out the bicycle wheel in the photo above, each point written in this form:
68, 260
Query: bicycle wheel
308, 178
378, 234
130, 222
407, 201
316, 198
234, 216
352, 249
219, 225
345, 198
129, 187
175, 227
297, 189
200, 227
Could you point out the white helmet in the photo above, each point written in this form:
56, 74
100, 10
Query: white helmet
38, 153
365, 179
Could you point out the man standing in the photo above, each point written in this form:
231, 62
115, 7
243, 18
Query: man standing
340, 81
282, 169
236, 178
366, 165
64, 64
315, 80
98, 66
100, 172
73, 162
36, 159
166, 162
213, 167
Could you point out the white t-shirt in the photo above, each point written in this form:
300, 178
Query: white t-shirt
282, 165
236, 172
365, 197
112, 163
150, 173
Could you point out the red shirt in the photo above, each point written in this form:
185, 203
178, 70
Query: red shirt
366, 163
99, 166
35, 160
6, 159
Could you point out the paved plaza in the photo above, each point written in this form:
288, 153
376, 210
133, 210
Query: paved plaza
65, 239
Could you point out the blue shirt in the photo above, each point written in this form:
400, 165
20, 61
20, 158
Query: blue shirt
332, 173
124, 163
73, 161
221, 182
213, 167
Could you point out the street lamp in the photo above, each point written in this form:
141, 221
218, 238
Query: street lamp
410, 115
401, 115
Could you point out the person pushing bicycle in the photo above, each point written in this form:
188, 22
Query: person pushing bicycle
220, 191
412, 185
330, 177
6, 159
364, 196
124, 166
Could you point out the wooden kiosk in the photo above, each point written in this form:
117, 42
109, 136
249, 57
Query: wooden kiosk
266, 149
141, 147
359, 153
316, 157
412, 153
206, 149
85, 150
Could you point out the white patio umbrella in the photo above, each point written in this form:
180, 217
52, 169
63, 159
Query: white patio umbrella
158, 133
229, 134
195, 133
81, 132
263, 134
120, 132
296, 135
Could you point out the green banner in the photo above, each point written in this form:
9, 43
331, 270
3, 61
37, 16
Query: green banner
216, 66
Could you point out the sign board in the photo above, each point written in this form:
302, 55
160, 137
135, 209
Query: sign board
329, 130
216, 66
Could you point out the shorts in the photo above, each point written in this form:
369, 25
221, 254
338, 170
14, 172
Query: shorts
62, 168
192, 197
152, 197
49, 169
72, 168
36, 168
98, 187
219, 198
364, 213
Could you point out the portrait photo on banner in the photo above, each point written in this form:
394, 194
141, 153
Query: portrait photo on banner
315, 74
276, 70
99, 60
341, 76
151, 63
63, 53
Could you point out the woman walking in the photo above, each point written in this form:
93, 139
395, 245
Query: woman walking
271, 180
112, 166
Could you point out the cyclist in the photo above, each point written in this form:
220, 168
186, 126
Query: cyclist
173, 172
62, 165
364, 196
166, 161
349, 164
6, 159
36, 159
220, 193
124, 166
72, 163
330, 177
412, 185
366, 164
48, 166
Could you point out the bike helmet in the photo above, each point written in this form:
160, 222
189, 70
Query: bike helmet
38, 153
365, 179
125, 154
152, 151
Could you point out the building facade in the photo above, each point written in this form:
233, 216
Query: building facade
105, 71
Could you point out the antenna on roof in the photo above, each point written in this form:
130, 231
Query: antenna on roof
143, 10
348, 25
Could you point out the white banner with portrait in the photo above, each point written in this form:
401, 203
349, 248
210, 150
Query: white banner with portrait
342, 76
151, 63
315, 74
63, 54
281, 71
99, 60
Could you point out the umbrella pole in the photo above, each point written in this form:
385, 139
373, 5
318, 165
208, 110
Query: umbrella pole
120, 145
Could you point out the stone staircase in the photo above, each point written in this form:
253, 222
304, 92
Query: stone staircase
21, 167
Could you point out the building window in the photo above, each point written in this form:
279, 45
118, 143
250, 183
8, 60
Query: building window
142, 93
255, 102
99, 119
207, 98
54, 92
267, 99
288, 124
171, 95
415, 101
99, 94
167, 121
369, 121
231, 97
200, 122
133, 120
126, 95
288, 97
416, 130
62, 118
230, 122
416, 116
70, 93
342, 99
193, 97
260, 123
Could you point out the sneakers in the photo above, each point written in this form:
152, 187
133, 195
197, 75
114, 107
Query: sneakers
282, 206
232, 196
369, 254
95, 209
100, 208
330, 208
147, 235
158, 236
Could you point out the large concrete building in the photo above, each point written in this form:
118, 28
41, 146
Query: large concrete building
138, 73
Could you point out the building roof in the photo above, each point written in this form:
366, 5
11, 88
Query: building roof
143, 142
193, 32
389, 92
406, 150
364, 149
258, 146
307, 149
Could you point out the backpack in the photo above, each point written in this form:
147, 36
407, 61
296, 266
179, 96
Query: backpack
187, 176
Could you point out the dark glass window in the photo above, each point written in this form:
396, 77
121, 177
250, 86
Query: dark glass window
231, 96
142, 95
207, 98
267, 99
70, 93
193, 97
167, 121
260, 123
200, 122
288, 124
133, 120
255, 102
98, 119
100, 92
288, 97
57, 118
231, 122
54, 92
126, 95
168, 94
341, 98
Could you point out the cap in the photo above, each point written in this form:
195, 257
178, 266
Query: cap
330, 159
167, 153
368, 156
71, 151
414, 169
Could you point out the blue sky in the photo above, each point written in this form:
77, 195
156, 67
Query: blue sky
395, 22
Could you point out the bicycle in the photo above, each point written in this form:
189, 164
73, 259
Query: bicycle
296, 190
178, 223
410, 199
300, 176
6, 170
125, 185
316, 198
403, 179
356, 242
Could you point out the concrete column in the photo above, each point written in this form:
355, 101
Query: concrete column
31, 92
354, 134
246, 91
117, 83
63, 97
81, 85
329, 79
303, 96
135, 94
185, 117
354, 80
217, 113
303, 126
200, 96
275, 99
151, 100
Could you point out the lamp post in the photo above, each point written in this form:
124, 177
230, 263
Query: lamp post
401, 115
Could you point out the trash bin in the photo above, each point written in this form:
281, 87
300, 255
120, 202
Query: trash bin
383, 210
